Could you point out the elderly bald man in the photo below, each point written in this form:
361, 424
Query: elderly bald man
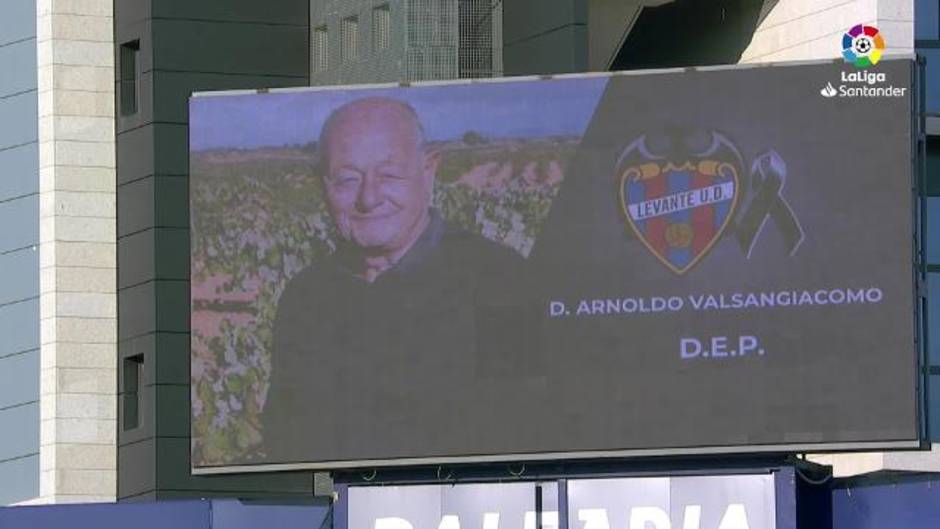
378, 180
406, 323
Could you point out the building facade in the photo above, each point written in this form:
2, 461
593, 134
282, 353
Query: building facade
404, 40
94, 225
19, 254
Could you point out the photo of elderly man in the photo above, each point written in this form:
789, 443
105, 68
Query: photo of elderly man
403, 297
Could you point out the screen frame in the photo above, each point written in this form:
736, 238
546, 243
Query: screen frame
917, 178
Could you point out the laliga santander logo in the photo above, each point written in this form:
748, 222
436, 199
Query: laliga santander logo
862, 46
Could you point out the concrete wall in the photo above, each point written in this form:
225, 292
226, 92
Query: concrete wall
77, 250
19, 258
811, 29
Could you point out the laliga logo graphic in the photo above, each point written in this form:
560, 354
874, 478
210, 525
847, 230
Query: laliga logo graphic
862, 46
680, 202
828, 90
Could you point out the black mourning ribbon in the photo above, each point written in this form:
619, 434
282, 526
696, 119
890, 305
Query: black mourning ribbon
768, 176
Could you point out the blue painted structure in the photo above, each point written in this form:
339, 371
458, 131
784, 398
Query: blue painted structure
204, 514
903, 502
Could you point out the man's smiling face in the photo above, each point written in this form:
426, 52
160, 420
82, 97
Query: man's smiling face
378, 181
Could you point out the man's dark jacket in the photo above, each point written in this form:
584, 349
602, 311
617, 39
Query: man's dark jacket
359, 366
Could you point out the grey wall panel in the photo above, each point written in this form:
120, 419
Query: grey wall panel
18, 119
172, 409
19, 67
259, 49
561, 51
19, 380
172, 89
137, 308
21, 431
136, 204
524, 19
134, 155
18, 21
20, 478
135, 150
127, 12
136, 261
179, 477
166, 353
20, 171
19, 327
20, 221
159, 253
137, 463
20, 277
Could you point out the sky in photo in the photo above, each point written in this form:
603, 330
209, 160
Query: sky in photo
510, 109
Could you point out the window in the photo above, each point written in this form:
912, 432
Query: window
927, 20
133, 374
320, 54
128, 85
381, 26
349, 32
932, 74
933, 231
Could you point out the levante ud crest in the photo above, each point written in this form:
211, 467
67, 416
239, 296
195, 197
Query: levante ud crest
680, 201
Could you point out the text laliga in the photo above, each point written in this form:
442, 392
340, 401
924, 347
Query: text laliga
735, 517
863, 76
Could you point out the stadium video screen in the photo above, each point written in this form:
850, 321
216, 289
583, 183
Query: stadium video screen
603, 265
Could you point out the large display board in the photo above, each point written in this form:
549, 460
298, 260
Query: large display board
583, 266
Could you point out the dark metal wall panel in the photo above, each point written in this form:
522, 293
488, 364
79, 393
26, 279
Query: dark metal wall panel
137, 463
172, 89
542, 37
126, 12
138, 199
153, 306
184, 47
249, 49
248, 11
166, 353
560, 51
154, 254
530, 18
175, 478
136, 147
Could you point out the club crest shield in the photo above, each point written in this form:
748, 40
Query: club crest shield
679, 202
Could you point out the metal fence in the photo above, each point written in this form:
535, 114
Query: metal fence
369, 41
